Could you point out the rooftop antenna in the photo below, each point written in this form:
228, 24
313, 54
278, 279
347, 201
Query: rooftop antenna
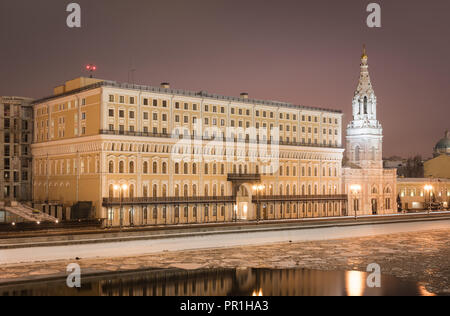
91, 68
131, 71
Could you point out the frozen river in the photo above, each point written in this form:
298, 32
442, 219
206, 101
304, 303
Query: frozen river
143, 247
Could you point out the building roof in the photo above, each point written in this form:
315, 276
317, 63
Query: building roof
203, 94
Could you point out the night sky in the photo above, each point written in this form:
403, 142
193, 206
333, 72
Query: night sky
303, 52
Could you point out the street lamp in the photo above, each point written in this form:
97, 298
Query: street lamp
258, 189
121, 188
429, 189
355, 189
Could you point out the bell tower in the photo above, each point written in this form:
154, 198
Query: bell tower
364, 133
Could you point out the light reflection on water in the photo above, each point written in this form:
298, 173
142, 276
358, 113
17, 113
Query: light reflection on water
224, 282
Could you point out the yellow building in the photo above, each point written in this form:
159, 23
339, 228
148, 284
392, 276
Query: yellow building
142, 155
439, 166
417, 193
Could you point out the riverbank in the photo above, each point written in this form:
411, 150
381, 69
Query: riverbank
422, 257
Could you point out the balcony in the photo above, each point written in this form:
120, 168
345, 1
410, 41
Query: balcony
300, 198
269, 142
244, 177
108, 202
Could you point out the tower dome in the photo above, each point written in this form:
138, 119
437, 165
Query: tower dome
443, 146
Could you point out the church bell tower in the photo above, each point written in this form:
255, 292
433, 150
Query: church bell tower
364, 133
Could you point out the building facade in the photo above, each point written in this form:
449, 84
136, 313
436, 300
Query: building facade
371, 188
141, 155
15, 149
416, 194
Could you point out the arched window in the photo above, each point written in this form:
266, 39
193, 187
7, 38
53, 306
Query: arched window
222, 169
214, 169
194, 168
145, 167
177, 190
145, 191
215, 190
111, 191
194, 190
365, 105
132, 191
222, 190
357, 153
186, 190
164, 168
121, 167
131, 167
206, 190
111, 167
155, 190
177, 168
206, 168
186, 168
164, 191
155, 167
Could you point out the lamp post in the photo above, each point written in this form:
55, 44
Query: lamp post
355, 189
428, 188
121, 188
258, 189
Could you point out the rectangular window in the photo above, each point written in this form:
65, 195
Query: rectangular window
122, 99
131, 114
111, 98
145, 115
121, 113
155, 102
145, 101
111, 113
131, 100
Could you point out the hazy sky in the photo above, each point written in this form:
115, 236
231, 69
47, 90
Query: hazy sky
304, 52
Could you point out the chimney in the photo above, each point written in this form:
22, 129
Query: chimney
244, 95
165, 85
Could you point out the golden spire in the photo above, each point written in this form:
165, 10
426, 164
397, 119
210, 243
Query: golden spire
364, 55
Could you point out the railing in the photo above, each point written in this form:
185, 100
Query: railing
218, 139
108, 202
299, 198
168, 200
244, 177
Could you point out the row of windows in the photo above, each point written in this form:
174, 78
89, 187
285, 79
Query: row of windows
217, 109
187, 169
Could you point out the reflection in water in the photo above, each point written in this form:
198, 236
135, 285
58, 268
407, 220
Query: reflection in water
355, 283
222, 282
